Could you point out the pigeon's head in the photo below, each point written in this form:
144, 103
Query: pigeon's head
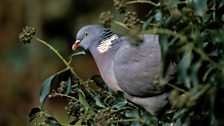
87, 35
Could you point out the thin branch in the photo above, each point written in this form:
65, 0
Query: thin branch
118, 110
128, 120
175, 87
207, 58
121, 24
142, 1
58, 54
53, 49
64, 95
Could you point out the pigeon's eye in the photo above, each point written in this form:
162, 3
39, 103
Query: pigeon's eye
86, 33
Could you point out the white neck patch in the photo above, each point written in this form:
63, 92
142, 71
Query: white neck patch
106, 43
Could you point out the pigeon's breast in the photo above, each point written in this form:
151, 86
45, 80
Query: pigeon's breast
108, 76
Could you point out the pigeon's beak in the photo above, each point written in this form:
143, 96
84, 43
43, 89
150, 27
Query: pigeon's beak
75, 45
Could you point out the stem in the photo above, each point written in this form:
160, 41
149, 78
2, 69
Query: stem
115, 111
121, 24
176, 88
205, 57
64, 95
183, 2
58, 54
142, 1
207, 73
128, 120
53, 49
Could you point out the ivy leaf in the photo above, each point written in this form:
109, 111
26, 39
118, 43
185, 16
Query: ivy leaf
194, 75
34, 113
172, 3
79, 123
51, 121
98, 102
158, 16
184, 66
45, 89
120, 101
199, 6
135, 124
147, 23
82, 99
132, 114
69, 85
99, 81
78, 51
149, 119
217, 35
166, 54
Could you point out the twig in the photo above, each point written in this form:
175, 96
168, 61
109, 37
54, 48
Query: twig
128, 120
64, 95
58, 54
205, 57
142, 1
121, 24
118, 110
176, 88
53, 49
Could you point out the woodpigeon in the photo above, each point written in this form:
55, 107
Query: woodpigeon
125, 67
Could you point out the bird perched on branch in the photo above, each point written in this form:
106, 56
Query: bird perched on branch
125, 67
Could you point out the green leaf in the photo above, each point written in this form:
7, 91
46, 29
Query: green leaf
184, 66
120, 101
158, 16
79, 123
149, 119
199, 6
172, 3
69, 85
51, 121
194, 76
78, 51
82, 99
147, 23
165, 52
135, 124
132, 114
99, 81
98, 102
34, 113
45, 89
217, 35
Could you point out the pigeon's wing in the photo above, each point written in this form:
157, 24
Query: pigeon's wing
136, 67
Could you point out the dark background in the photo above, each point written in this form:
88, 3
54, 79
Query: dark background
23, 67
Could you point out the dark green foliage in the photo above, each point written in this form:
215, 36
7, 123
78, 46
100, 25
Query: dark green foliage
63, 77
197, 48
51, 121
45, 89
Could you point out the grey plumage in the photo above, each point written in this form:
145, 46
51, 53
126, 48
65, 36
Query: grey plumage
128, 68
